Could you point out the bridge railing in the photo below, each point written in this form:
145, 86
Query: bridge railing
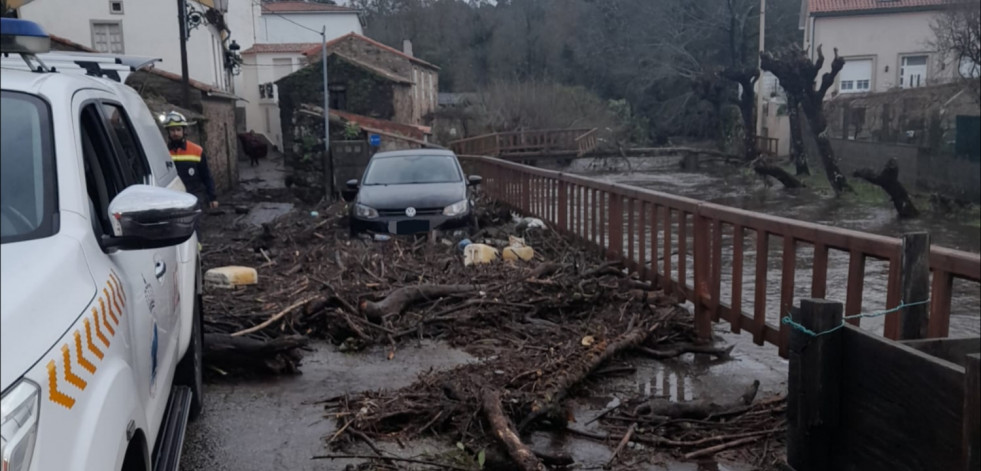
519, 143
637, 225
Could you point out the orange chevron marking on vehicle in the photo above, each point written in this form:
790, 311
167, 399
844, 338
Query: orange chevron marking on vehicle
54, 395
102, 304
98, 330
69, 376
88, 335
112, 274
115, 297
78, 353
112, 299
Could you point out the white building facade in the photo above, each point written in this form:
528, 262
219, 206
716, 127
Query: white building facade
886, 44
141, 28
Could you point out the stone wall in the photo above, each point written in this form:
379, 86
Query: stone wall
220, 142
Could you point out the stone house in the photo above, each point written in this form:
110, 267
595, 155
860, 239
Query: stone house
410, 84
274, 36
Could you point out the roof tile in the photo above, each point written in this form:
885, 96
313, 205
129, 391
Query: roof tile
840, 6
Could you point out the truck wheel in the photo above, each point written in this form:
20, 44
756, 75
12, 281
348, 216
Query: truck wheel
190, 369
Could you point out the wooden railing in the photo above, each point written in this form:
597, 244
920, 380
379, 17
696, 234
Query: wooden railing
528, 143
637, 224
768, 145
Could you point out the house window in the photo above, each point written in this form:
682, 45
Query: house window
116, 7
338, 97
913, 72
855, 76
107, 36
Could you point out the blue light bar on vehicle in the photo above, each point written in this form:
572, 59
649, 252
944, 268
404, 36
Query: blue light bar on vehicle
23, 37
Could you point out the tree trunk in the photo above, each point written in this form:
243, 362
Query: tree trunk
797, 75
397, 300
788, 180
888, 179
797, 137
519, 452
747, 107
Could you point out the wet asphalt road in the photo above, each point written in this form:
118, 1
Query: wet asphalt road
277, 424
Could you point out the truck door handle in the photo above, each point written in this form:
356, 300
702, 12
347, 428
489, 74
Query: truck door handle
160, 269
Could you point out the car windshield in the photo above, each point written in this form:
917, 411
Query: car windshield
27, 171
412, 169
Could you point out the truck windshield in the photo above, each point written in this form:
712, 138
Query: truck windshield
27, 172
409, 169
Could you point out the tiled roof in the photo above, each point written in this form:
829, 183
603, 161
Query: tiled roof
350, 36
304, 7
69, 44
408, 130
841, 6
260, 48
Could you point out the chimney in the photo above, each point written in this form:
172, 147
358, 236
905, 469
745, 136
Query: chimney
407, 47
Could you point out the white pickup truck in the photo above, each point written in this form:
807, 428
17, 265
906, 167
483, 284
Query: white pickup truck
101, 325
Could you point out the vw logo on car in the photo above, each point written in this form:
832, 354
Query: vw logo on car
410, 211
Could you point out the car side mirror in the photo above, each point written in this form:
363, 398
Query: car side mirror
351, 191
148, 217
475, 180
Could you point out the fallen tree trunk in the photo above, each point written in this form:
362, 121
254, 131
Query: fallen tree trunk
279, 355
697, 409
520, 453
397, 300
888, 180
788, 180
681, 349
555, 392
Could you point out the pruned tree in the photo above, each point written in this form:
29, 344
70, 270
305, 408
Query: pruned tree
797, 150
797, 75
958, 38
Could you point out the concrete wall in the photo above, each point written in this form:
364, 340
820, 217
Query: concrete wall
885, 38
918, 169
150, 28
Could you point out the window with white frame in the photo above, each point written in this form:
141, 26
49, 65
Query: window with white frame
116, 7
912, 71
855, 76
107, 36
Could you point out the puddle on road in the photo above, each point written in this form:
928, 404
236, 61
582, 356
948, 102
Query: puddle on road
274, 424
688, 377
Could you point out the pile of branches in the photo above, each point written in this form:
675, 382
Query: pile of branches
539, 328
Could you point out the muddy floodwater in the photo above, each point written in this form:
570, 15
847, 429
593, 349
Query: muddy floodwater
870, 212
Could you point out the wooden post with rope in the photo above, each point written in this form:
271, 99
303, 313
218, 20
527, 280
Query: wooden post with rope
813, 399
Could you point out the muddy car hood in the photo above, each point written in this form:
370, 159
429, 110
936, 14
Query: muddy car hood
420, 195
45, 284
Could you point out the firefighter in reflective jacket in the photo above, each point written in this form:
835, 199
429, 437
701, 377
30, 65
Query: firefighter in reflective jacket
191, 162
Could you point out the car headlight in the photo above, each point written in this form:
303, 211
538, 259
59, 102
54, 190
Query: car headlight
366, 212
18, 425
456, 209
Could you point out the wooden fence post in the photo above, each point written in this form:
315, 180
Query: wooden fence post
916, 285
703, 321
615, 223
814, 384
972, 413
563, 217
